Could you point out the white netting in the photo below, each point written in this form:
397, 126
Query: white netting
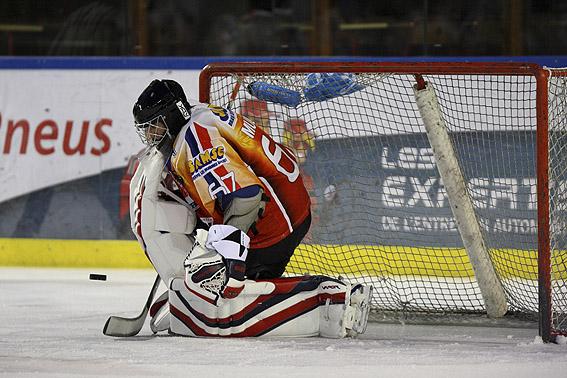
558, 195
381, 213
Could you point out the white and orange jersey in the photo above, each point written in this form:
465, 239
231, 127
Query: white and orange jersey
219, 152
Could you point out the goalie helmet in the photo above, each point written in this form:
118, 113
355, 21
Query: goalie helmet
160, 112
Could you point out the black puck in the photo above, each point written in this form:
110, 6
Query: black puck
97, 277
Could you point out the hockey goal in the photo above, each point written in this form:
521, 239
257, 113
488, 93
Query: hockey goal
444, 185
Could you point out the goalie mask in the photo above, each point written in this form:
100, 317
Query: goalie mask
160, 112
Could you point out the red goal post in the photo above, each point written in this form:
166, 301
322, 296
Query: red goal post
393, 215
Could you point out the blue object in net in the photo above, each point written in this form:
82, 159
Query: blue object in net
274, 93
324, 86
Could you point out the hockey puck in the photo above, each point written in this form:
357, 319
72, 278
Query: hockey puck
97, 277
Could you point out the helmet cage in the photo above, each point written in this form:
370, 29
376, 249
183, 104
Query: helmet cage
161, 110
152, 132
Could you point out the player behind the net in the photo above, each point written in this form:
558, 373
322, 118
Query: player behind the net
219, 208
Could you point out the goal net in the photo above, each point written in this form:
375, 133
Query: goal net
423, 178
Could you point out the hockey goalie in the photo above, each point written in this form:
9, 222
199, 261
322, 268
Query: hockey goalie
219, 208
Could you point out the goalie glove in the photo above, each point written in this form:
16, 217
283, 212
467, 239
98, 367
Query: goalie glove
232, 244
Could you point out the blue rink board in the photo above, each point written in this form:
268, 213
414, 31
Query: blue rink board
194, 63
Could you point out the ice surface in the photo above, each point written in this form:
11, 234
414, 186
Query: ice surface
52, 323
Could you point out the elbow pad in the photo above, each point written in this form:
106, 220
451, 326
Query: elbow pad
243, 212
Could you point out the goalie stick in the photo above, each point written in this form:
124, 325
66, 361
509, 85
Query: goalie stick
123, 327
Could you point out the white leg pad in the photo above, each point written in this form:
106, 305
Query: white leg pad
332, 317
294, 307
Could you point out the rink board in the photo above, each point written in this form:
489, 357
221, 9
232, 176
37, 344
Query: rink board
321, 259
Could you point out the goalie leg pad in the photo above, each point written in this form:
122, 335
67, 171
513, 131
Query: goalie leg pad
264, 308
159, 314
359, 303
292, 307
347, 319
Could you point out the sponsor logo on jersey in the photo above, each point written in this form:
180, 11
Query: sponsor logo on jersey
248, 127
206, 161
225, 115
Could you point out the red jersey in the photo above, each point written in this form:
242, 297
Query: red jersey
219, 152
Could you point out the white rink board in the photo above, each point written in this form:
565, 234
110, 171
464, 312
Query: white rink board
48, 100
55, 104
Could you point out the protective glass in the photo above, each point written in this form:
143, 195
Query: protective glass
152, 132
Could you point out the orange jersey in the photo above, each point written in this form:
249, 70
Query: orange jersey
219, 152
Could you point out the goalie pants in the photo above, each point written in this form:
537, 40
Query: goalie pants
270, 262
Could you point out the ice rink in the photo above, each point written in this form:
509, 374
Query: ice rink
52, 323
